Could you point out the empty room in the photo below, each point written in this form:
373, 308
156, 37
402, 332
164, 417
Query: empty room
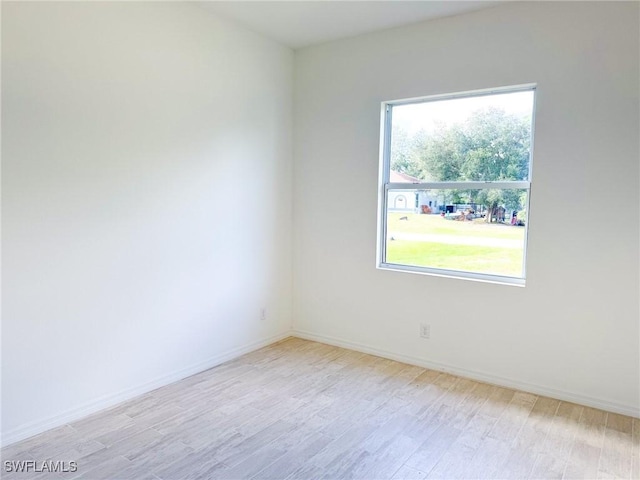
320, 240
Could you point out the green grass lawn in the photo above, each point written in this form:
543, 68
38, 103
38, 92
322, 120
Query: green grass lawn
482, 258
417, 223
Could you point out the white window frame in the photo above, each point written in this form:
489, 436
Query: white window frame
385, 185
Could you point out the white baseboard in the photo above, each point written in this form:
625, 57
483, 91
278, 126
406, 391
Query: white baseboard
631, 410
33, 428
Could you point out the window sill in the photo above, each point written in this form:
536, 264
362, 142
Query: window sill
455, 274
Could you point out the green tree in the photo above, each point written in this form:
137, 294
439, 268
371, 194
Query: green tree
497, 146
490, 146
404, 153
442, 154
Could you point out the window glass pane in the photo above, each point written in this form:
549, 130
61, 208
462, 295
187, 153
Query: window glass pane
481, 138
480, 231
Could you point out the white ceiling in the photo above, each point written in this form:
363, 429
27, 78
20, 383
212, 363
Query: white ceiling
302, 23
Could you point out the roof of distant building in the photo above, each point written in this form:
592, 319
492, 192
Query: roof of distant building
398, 177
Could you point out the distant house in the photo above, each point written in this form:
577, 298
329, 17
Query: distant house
408, 201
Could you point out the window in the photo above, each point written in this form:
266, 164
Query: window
466, 158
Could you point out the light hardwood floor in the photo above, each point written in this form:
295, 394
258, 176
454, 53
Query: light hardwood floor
304, 410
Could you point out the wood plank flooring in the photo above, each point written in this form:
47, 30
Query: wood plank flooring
304, 410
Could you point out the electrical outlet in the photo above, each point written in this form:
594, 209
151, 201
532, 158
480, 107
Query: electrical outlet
425, 330
263, 314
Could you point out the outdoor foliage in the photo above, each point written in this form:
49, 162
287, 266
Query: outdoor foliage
490, 146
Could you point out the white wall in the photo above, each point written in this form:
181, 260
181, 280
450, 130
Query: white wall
573, 331
126, 128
